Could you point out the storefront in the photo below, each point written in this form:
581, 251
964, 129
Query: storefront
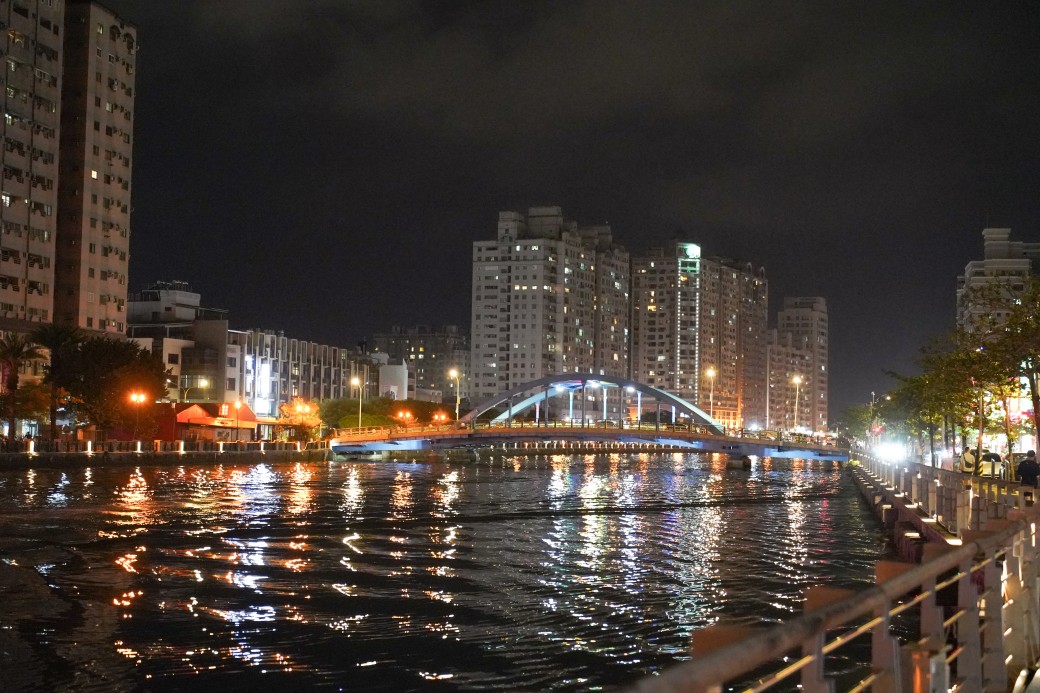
217, 421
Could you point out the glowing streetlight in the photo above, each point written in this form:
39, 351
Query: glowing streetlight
711, 393
797, 380
356, 382
202, 384
455, 375
137, 399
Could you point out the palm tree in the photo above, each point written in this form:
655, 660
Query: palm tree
57, 339
15, 350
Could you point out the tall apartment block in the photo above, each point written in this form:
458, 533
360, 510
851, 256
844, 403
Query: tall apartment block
699, 330
805, 320
431, 354
1005, 263
65, 197
787, 357
93, 226
549, 297
32, 37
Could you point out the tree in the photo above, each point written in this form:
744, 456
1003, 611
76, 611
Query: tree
59, 341
300, 420
343, 413
30, 400
1006, 323
15, 351
103, 374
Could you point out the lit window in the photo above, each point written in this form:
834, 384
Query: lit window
93, 174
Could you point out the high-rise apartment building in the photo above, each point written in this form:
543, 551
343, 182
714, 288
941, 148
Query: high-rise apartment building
699, 330
788, 360
805, 320
1006, 264
66, 157
93, 226
32, 38
549, 297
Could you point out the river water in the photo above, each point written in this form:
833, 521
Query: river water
527, 573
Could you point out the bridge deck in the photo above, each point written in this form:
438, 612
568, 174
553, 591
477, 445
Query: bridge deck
450, 436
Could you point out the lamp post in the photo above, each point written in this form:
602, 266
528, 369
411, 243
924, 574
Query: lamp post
797, 380
203, 384
356, 382
238, 422
456, 376
137, 399
711, 392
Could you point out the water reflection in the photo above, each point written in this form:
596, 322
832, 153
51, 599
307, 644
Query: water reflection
558, 572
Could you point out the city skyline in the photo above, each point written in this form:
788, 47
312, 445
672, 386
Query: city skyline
325, 168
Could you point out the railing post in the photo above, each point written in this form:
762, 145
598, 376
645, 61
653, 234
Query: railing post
1028, 552
994, 668
813, 680
884, 650
969, 661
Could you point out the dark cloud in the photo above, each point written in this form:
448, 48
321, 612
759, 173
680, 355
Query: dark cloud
324, 166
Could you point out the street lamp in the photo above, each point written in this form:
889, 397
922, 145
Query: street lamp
356, 382
137, 399
455, 375
797, 380
203, 384
711, 393
238, 413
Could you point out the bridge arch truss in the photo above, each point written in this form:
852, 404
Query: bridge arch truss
521, 399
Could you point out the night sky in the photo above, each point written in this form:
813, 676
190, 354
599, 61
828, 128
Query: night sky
323, 167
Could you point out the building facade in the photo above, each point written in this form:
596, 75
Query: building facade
432, 355
549, 297
211, 362
805, 319
788, 360
93, 226
69, 76
699, 331
1005, 266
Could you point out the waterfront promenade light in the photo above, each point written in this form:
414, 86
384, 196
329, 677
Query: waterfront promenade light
711, 392
356, 382
797, 380
137, 399
455, 375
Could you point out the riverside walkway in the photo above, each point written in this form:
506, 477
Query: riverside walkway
967, 589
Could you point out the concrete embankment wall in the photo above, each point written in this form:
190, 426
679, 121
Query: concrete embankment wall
164, 459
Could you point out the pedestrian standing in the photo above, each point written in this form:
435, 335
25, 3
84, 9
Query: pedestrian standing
1028, 469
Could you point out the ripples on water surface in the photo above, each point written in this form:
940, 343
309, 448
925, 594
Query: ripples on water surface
560, 572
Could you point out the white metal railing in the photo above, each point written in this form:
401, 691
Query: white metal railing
955, 500
976, 606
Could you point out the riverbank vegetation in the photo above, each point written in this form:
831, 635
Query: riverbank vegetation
979, 382
86, 380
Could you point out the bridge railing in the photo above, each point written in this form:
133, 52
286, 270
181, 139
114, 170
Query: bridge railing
976, 607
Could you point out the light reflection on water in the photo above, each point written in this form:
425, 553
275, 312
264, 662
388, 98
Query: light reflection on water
516, 574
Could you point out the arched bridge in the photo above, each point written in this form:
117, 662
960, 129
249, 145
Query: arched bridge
539, 394
543, 414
